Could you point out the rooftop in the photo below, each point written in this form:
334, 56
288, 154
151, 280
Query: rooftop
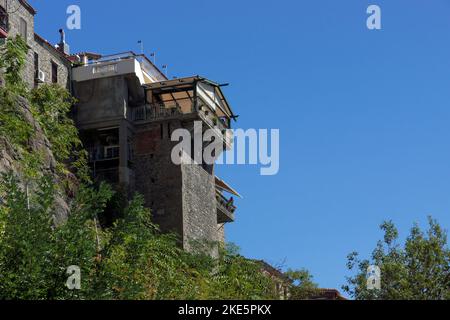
97, 66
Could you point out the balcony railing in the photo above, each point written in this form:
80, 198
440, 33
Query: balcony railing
146, 65
164, 111
225, 209
103, 153
159, 111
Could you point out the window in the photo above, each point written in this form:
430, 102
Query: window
23, 29
3, 22
36, 66
54, 72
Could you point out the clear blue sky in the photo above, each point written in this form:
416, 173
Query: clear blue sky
364, 115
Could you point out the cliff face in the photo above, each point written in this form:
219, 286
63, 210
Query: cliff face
39, 143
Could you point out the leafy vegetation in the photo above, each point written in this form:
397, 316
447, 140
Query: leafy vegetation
303, 286
420, 270
129, 260
50, 106
13, 125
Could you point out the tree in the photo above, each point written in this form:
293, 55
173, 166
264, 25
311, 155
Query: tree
420, 270
303, 287
34, 253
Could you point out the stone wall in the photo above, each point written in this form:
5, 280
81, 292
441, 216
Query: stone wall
221, 233
157, 178
199, 207
47, 53
47, 56
181, 197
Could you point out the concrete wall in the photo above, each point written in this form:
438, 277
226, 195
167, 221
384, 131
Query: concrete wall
47, 53
101, 100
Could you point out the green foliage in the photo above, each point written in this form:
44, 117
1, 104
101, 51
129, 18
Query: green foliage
13, 58
420, 270
235, 277
34, 254
131, 260
303, 287
141, 263
80, 242
25, 239
13, 125
51, 107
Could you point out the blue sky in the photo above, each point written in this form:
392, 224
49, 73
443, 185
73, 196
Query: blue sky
363, 115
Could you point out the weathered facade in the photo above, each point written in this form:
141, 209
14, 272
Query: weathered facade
127, 111
45, 64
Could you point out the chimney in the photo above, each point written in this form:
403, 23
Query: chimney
84, 59
63, 46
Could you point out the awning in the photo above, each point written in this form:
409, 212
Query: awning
192, 87
222, 185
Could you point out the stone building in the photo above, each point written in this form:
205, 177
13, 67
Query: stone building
45, 63
127, 111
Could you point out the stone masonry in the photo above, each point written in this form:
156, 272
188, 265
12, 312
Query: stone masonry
133, 153
18, 11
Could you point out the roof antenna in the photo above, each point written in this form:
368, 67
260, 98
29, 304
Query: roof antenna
142, 46
165, 67
153, 55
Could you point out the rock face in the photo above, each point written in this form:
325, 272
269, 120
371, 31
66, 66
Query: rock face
9, 159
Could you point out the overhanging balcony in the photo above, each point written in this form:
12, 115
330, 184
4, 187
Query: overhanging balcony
184, 110
225, 206
225, 209
193, 98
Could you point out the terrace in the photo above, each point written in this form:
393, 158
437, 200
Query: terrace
192, 98
119, 64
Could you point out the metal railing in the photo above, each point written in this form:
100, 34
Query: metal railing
158, 111
225, 203
103, 153
168, 110
146, 64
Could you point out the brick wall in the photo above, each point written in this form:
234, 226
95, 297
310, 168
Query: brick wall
182, 198
157, 178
